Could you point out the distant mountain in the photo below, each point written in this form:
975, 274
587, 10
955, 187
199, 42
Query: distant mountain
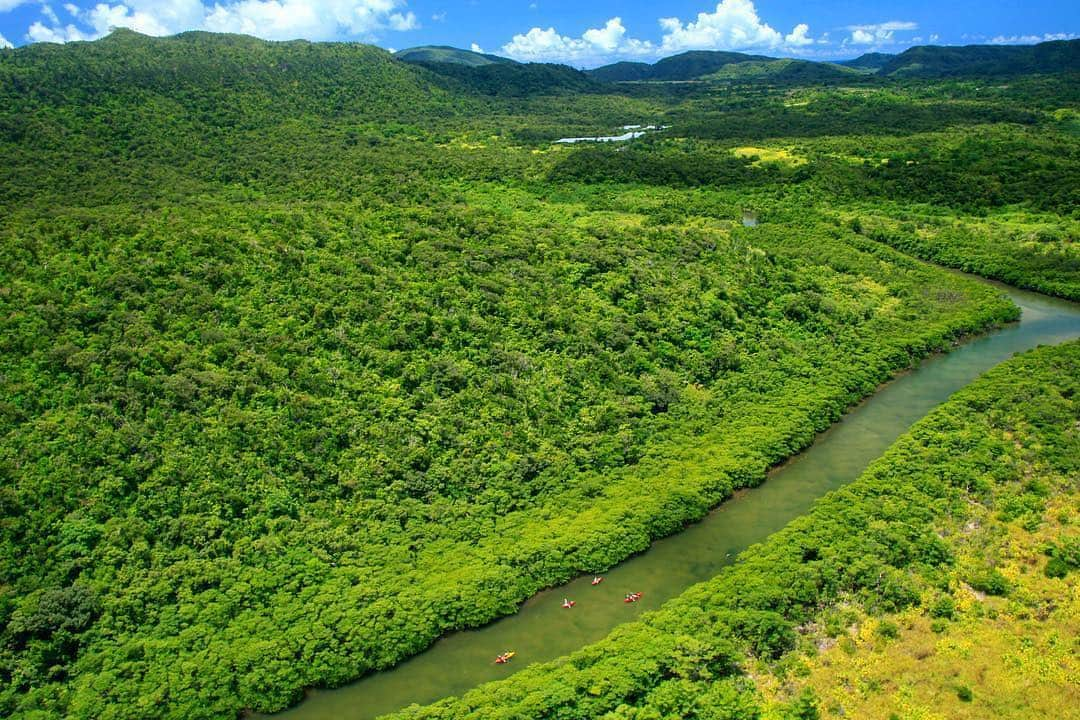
516, 79
237, 80
698, 63
447, 54
982, 60
920, 61
784, 71
685, 66
621, 72
869, 61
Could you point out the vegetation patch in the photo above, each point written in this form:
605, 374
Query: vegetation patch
761, 155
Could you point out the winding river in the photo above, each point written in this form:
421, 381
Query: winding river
542, 630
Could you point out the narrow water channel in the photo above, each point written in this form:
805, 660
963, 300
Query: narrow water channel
542, 630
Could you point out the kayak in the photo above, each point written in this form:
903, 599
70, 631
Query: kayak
567, 604
504, 658
597, 580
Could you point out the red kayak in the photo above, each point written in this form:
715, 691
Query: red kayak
597, 580
632, 597
567, 604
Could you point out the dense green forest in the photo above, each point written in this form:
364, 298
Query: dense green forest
919, 535
310, 355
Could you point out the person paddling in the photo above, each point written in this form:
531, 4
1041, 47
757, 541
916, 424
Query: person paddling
568, 603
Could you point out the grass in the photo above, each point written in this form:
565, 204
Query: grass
769, 155
998, 657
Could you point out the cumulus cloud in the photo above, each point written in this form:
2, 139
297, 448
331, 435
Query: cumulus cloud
1030, 39
734, 25
798, 37
595, 44
269, 19
5, 43
38, 32
878, 33
476, 48
6, 5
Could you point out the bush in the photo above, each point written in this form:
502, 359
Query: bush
990, 582
888, 629
943, 607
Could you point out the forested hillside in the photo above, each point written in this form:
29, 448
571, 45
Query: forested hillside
985, 60
309, 355
445, 54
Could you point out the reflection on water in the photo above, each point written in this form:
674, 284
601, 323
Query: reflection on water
632, 132
542, 630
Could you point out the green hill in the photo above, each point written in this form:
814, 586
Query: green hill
696, 64
685, 66
169, 114
985, 60
516, 79
447, 54
621, 72
783, 71
196, 70
868, 61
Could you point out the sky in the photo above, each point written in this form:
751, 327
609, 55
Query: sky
576, 32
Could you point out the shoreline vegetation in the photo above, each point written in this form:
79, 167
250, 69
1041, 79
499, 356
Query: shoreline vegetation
309, 356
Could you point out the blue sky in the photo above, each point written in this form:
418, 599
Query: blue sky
579, 33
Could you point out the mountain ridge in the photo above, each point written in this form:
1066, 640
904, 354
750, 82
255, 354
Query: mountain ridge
451, 55
920, 60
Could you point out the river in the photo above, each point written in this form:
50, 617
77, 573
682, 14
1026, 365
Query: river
542, 630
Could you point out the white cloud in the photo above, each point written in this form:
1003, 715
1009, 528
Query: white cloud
1030, 39
5, 43
879, 33
595, 44
798, 36
269, 19
69, 33
934, 37
6, 5
734, 25
476, 48
439, 16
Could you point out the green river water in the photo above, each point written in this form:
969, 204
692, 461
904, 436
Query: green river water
541, 630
